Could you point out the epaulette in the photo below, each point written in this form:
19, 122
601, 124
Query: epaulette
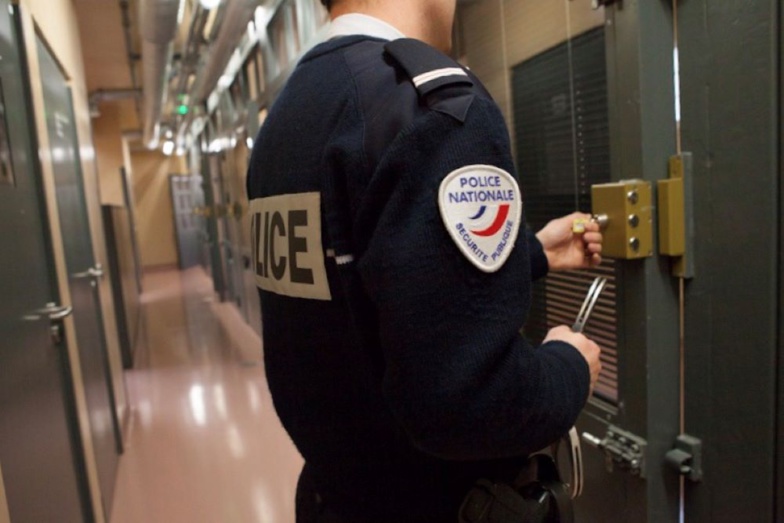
429, 70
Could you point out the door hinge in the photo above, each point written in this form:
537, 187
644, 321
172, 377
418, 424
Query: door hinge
622, 449
686, 457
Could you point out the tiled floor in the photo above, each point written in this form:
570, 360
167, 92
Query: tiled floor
204, 443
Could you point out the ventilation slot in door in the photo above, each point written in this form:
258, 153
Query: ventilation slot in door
563, 147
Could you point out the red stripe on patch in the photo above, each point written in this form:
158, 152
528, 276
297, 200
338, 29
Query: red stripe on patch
503, 214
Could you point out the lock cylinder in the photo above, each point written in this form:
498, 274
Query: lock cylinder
625, 209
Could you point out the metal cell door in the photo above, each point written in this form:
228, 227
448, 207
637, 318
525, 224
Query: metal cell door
578, 119
233, 189
186, 223
40, 448
214, 205
82, 269
227, 210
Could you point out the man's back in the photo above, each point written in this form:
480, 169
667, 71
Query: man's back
382, 350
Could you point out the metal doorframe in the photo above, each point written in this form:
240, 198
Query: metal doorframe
779, 480
5, 517
643, 137
730, 60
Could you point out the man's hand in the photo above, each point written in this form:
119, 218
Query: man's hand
589, 350
566, 250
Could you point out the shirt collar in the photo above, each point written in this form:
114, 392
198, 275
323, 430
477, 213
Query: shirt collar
359, 24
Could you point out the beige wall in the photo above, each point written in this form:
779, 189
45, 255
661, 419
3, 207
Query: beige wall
497, 35
107, 132
154, 213
115, 119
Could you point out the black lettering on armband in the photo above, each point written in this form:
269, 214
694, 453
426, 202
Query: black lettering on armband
298, 244
266, 244
257, 225
279, 265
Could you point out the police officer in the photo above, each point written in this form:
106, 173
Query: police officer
394, 269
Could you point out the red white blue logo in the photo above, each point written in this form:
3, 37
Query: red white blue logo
481, 208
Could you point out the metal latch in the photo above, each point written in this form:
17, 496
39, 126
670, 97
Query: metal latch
676, 219
686, 457
622, 449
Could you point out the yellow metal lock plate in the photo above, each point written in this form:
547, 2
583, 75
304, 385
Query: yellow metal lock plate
628, 208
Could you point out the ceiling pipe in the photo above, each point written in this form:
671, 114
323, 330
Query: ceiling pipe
233, 27
193, 46
158, 23
132, 56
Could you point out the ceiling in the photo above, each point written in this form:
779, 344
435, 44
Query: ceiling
103, 44
104, 49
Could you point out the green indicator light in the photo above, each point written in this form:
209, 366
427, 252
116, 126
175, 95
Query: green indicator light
182, 109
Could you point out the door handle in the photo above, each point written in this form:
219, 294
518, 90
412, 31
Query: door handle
52, 312
93, 272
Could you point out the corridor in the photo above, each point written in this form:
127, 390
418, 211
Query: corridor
204, 444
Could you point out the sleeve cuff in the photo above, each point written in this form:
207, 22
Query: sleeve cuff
569, 355
539, 265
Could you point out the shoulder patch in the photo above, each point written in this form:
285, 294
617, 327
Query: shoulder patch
429, 69
481, 208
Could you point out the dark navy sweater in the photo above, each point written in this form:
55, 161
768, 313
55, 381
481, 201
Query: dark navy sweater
410, 380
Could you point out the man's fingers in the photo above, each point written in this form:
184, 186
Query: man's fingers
594, 248
593, 237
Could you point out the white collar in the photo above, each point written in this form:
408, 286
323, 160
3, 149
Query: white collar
359, 24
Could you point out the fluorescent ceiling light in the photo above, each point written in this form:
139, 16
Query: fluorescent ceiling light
168, 147
209, 4
225, 81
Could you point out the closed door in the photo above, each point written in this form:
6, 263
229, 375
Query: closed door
43, 470
234, 193
575, 128
186, 223
214, 202
83, 271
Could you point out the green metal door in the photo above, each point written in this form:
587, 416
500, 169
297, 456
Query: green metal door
596, 108
83, 271
40, 449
